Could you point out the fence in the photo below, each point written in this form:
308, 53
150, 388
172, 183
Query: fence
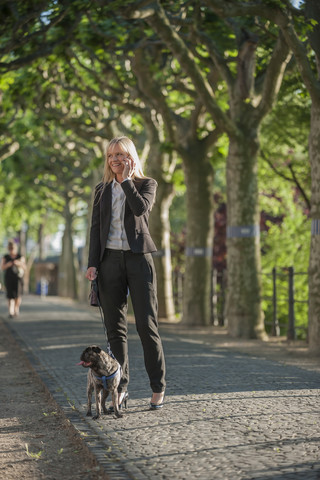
290, 299
287, 298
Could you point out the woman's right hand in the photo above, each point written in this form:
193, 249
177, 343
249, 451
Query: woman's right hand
91, 273
128, 168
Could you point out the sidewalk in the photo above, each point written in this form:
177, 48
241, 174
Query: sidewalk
234, 410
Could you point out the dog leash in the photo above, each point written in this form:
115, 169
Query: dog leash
94, 286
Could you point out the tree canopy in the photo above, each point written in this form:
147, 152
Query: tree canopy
217, 96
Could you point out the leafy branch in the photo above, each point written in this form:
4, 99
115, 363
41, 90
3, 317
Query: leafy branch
292, 179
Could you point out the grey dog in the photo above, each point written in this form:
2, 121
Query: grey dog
103, 377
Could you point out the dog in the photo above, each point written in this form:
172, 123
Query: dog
103, 377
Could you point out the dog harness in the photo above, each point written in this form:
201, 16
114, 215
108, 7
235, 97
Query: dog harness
105, 378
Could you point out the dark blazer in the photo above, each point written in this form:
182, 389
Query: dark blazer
140, 195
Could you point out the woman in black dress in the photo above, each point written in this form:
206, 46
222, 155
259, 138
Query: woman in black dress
13, 265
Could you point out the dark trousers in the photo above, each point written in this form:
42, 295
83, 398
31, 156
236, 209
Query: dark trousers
119, 271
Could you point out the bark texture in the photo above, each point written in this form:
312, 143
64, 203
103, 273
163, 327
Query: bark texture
67, 285
160, 231
197, 281
243, 311
314, 263
182, 133
83, 284
310, 75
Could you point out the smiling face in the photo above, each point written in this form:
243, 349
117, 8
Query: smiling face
115, 161
115, 158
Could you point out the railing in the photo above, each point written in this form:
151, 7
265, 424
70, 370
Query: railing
288, 298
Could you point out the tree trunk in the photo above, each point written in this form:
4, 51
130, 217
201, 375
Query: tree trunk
314, 276
243, 311
310, 73
157, 168
67, 272
82, 282
199, 241
41, 241
160, 230
246, 271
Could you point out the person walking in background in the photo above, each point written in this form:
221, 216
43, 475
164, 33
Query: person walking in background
120, 254
14, 266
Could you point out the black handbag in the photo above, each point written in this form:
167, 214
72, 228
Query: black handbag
94, 294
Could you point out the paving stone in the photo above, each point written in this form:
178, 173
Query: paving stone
228, 415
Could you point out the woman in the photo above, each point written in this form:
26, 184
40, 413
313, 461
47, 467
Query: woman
13, 264
120, 249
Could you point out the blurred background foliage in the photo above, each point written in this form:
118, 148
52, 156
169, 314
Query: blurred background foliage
58, 111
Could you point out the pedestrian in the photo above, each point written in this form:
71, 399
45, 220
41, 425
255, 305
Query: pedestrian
14, 266
120, 254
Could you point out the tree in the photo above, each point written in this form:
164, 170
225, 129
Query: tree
57, 165
94, 106
33, 30
297, 25
25, 202
105, 94
284, 191
252, 90
191, 134
310, 69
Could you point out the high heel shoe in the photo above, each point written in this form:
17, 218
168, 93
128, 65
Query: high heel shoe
157, 406
122, 404
124, 401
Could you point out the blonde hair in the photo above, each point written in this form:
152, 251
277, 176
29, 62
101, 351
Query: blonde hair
129, 148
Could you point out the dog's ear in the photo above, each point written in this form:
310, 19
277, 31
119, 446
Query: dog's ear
96, 349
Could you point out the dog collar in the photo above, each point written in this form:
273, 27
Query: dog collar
105, 378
